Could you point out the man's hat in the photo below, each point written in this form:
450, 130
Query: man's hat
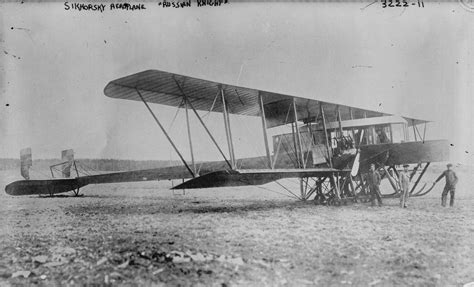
406, 165
449, 165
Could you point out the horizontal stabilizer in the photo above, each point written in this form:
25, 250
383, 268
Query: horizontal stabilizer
67, 157
26, 161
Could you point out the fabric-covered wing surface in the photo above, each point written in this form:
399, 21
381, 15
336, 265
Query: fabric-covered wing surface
222, 178
169, 89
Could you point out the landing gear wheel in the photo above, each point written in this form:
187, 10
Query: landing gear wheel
319, 199
333, 201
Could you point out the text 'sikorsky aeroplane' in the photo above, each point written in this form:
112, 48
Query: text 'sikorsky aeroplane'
328, 150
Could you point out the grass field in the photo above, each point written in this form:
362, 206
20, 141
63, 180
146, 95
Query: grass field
145, 234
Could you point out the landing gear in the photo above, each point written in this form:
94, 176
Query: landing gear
76, 192
332, 190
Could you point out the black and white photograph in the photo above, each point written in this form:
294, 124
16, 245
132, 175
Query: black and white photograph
237, 143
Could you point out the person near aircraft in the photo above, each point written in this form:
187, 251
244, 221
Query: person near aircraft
450, 186
374, 179
382, 136
404, 179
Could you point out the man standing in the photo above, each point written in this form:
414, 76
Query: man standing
404, 178
373, 179
451, 181
382, 137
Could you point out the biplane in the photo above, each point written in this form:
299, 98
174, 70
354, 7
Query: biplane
329, 148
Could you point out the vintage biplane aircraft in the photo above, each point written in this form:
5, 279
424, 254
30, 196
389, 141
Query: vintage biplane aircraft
329, 148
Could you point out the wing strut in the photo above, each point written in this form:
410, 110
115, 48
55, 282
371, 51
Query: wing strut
275, 157
352, 129
414, 130
166, 134
227, 129
298, 138
338, 115
189, 135
202, 122
264, 126
321, 111
186, 102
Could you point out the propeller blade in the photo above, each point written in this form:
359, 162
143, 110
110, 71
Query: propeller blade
356, 164
360, 138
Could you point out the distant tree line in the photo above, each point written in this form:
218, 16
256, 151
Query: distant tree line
92, 164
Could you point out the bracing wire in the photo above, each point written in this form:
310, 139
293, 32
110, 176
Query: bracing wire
274, 191
176, 114
42, 173
212, 106
86, 166
292, 159
284, 187
275, 158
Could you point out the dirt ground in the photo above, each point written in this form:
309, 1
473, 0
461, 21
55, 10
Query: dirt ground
146, 234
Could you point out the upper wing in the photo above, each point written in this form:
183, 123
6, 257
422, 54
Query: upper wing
168, 88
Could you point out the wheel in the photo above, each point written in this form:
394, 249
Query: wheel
319, 199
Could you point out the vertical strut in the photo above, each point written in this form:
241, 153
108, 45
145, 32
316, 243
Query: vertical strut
230, 137
264, 127
75, 167
298, 136
311, 143
391, 134
302, 190
414, 131
227, 130
335, 185
189, 135
275, 157
165, 133
309, 126
424, 133
352, 129
295, 145
321, 110
339, 120
188, 126
210, 135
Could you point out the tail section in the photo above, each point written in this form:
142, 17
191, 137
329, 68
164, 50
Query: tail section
67, 157
26, 161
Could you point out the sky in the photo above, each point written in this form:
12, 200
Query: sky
55, 63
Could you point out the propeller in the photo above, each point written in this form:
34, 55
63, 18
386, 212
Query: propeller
356, 163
